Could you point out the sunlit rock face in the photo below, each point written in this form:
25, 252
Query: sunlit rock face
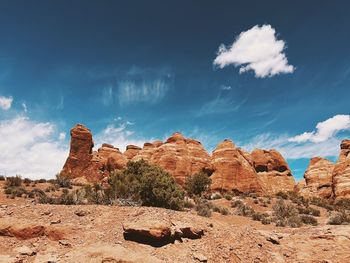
179, 156
317, 179
233, 169
273, 171
341, 172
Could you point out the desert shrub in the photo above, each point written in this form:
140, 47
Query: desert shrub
253, 195
343, 204
2, 178
15, 191
236, 203
340, 218
27, 181
308, 211
203, 208
228, 197
321, 202
216, 196
257, 216
149, 184
13, 181
256, 201
41, 181
310, 220
197, 183
244, 210
266, 220
188, 203
286, 214
220, 209
62, 181
282, 195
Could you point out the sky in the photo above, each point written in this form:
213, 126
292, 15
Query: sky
266, 74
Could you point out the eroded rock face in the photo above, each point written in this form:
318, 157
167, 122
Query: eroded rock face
131, 151
80, 161
233, 169
179, 156
341, 172
273, 171
318, 179
83, 162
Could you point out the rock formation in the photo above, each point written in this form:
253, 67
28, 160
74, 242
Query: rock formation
179, 156
273, 171
233, 170
131, 151
317, 179
341, 172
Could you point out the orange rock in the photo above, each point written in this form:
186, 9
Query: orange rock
341, 172
179, 156
131, 151
233, 170
318, 179
273, 171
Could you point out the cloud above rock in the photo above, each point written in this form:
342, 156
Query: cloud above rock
256, 49
5, 102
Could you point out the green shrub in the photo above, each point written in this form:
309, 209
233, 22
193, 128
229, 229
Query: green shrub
310, 220
220, 209
236, 203
340, 218
286, 214
62, 181
282, 195
188, 203
259, 216
309, 211
203, 208
244, 210
27, 181
41, 181
197, 183
327, 204
149, 184
228, 197
13, 181
2, 178
343, 204
216, 196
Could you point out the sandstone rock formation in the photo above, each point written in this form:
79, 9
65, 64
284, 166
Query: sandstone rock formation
179, 156
233, 170
317, 179
131, 151
83, 162
341, 172
80, 161
273, 171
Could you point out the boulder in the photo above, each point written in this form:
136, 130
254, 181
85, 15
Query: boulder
273, 171
317, 179
131, 151
233, 169
341, 172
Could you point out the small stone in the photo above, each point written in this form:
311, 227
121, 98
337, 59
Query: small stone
64, 243
200, 257
26, 251
56, 221
81, 213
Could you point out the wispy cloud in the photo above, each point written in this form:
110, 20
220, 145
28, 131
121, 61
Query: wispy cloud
5, 102
256, 49
225, 87
150, 91
107, 95
119, 135
220, 104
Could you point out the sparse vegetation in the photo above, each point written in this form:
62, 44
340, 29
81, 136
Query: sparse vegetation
203, 208
216, 196
340, 218
220, 209
2, 178
286, 214
197, 183
309, 220
62, 181
14, 181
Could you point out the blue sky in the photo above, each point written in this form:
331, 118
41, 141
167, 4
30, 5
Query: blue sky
260, 73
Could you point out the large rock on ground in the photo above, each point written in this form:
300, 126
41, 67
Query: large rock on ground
233, 169
318, 179
179, 156
341, 172
273, 171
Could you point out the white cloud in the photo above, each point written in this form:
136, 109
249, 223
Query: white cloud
62, 136
256, 49
30, 148
324, 130
24, 106
5, 102
292, 150
119, 136
146, 91
107, 95
224, 87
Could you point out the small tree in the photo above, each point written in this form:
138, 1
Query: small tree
197, 183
